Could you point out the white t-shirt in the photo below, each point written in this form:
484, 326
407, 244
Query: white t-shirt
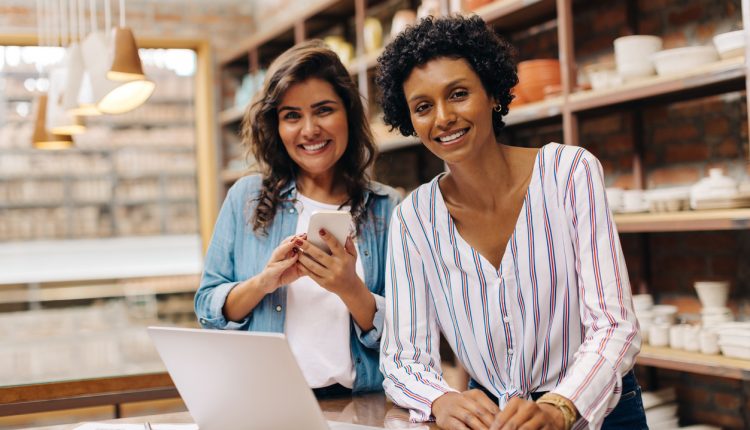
317, 321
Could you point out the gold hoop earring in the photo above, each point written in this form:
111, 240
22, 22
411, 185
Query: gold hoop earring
497, 108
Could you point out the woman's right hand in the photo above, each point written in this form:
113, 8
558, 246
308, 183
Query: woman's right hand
280, 269
468, 410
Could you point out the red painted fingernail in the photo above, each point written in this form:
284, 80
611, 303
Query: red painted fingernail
322, 232
298, 242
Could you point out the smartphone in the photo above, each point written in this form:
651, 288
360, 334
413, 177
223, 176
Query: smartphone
336, 223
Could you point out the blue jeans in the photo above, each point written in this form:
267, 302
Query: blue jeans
627, 415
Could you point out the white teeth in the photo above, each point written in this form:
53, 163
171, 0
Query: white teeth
315, 147
451, 137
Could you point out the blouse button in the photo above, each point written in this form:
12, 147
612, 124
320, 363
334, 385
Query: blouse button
510, 351
278, 308
506, 318
291, 211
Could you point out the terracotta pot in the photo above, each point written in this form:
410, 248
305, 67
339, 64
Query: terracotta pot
534, 76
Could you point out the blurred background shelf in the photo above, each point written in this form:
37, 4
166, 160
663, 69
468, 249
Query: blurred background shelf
730, 219
693, 362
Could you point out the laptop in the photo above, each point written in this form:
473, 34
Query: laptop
237, 380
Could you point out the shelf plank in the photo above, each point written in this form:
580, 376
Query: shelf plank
693, 362
231, 115
512, 14
95, 291
97, 259
710, 74
729, 219
525, 113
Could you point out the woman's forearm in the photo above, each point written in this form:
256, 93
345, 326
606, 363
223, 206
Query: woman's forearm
244, 298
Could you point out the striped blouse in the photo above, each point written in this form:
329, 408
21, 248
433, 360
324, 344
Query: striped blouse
556, 315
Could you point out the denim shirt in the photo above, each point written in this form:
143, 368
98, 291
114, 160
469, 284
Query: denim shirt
237, 253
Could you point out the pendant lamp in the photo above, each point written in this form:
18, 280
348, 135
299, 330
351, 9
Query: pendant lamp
43, 139
59, 121
78, 98
126, 63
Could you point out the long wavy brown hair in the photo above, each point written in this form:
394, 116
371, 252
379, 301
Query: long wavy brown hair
260, 130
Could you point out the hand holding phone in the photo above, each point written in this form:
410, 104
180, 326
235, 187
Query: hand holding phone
336, 223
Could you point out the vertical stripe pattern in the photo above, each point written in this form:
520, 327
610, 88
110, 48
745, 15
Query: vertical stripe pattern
556, 315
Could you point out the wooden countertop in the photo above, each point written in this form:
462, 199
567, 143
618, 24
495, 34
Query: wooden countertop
369, 409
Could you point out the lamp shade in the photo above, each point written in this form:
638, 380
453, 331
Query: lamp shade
43, 139
59, 121
126, 97
126, 63
111, 97
78, 98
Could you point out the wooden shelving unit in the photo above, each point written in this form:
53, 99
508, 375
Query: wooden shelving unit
730, 219
530, 112
715, 75
693, 362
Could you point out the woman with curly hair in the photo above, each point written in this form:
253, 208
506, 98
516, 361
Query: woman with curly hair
308, 130
512, 255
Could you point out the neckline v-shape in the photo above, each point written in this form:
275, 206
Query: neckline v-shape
452, 224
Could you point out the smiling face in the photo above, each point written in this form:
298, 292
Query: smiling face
313, 126
449, 108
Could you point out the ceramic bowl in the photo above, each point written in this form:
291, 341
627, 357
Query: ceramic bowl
632, 55
712, 294
680, 60
730, 45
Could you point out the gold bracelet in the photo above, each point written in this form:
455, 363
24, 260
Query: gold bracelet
570, 415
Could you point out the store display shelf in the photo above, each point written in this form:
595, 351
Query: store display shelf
97, 259
85, 292
53, 176
154, 201
714, 74
124, 123
728, 219
151, 175
55, 204
548, 108
231, 115
694, 362
366, 62
513, 14
106, 149
229, 176
282, 25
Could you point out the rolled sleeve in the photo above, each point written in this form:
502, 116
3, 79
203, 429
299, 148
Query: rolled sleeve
371, 338
214, 316
218, 272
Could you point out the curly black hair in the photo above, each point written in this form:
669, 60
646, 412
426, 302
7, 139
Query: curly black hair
491, 57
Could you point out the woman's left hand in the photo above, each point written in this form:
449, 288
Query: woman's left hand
528, 415
337, 273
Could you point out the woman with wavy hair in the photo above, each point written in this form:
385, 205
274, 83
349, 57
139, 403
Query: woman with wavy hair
511, 256
307, 129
